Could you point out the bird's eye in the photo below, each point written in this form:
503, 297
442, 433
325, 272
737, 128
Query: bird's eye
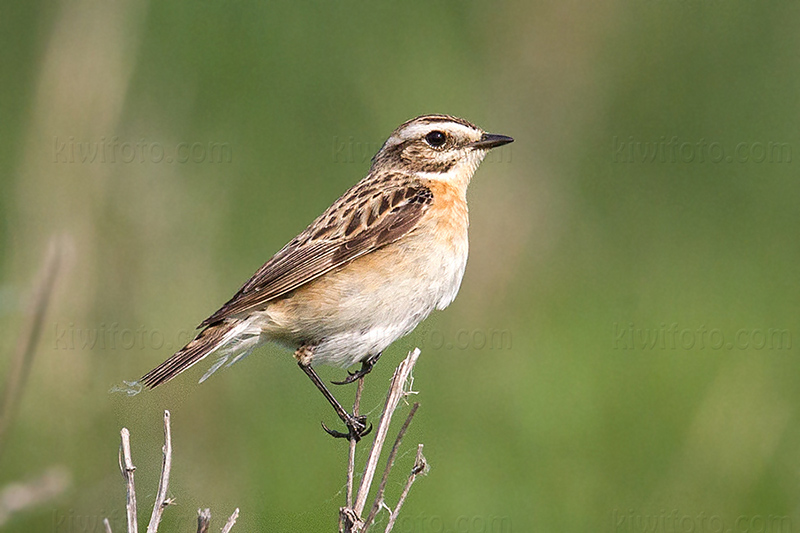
436, 139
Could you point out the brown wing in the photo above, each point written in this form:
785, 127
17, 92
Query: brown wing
369, 216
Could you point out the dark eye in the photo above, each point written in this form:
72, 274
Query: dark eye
436, 139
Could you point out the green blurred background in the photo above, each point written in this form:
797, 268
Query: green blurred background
623, 353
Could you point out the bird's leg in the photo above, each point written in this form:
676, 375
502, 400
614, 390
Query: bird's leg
366, 368
356, 425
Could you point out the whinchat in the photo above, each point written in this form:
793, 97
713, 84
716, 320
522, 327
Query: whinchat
367, 271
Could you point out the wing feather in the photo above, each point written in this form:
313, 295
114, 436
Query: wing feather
369, 216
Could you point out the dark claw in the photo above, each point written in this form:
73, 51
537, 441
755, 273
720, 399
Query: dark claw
333, 433
367, 431
356, 428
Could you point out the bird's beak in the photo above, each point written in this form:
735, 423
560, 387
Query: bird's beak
491, 140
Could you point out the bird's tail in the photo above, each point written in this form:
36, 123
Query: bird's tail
231, 337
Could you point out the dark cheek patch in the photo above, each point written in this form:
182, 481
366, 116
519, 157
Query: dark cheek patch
423, 159
438, 166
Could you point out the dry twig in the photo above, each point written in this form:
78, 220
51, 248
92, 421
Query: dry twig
161, 502
127, 468
350, 516
203, 520
351, 462
389, 464
163, 484
231, 521
420, 467
396, 391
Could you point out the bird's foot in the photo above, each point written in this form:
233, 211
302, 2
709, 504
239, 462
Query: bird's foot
356, 428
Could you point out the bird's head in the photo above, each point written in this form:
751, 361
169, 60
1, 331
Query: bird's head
437, 147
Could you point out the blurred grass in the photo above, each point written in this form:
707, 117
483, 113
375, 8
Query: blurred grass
567, 428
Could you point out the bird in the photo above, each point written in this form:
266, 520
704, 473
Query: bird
392, 249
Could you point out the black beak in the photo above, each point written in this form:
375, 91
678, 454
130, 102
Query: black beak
491, 140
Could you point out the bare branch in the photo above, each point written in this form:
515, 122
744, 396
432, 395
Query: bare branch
231, 521
163, 484
349, 522
161, 502
389, 464
351, 462
420, 467
127, 468
396, 391
203, 520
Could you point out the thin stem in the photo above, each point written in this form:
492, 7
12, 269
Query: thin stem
127, 468
163, 484
389, 464
203, 520
420, 467
351, 462
396, 391
231, 521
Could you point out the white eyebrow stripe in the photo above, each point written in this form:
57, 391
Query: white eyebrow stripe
418, 130
412, 131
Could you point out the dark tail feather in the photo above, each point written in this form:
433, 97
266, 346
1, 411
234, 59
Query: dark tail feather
206, 342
